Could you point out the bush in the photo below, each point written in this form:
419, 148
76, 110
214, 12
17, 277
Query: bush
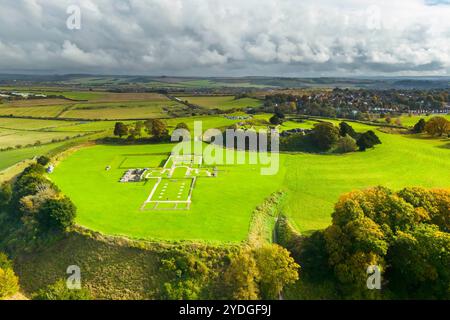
346, 144
56, 214
5, 195
275, 120
419, 127
43, 160
242, 276
325, 135
276, 269
346, 129
367, 140
59, 291
9, 283
437, 126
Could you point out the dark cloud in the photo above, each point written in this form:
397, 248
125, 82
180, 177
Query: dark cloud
233, 37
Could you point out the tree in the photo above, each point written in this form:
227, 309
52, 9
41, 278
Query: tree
279, 113
136, 130
182, 125
419, 127
9, 283
420, 262
120, 129
346, 144
432, 206
346, 129
43, 160
275, 120
56, 214
367, 140
59, 291
325, 135
157, 129
242, 276
277, 269
5, 194
437, 126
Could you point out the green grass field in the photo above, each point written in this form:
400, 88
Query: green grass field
12, 138
221, 102
222, 206
36, 111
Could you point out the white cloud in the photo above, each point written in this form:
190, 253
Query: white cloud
236, 37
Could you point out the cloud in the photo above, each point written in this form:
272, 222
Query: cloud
233, 37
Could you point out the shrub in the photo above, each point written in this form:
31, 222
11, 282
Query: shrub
419, 127
437, 126
43, 160
56, 214
346, 144
346, 129
242, 276
59, 291
276, 268
9, 283
5, 195
325, 135
275, 120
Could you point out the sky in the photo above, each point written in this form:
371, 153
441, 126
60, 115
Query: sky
226, 38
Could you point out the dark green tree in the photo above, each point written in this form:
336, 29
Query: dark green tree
346, 129
120, 129
419, 127
56, 214
325, 135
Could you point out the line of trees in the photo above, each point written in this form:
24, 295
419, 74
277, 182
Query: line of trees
155, 128
325, 137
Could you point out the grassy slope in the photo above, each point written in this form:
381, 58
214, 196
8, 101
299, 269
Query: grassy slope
111, 268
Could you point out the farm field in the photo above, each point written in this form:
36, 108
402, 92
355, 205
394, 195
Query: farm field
33, 124
221, 102
121, 110
12, 138
11, 157
36, 111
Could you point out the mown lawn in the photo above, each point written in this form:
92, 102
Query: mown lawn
220, 212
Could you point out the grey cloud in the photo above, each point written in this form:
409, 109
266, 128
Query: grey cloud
233, 37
